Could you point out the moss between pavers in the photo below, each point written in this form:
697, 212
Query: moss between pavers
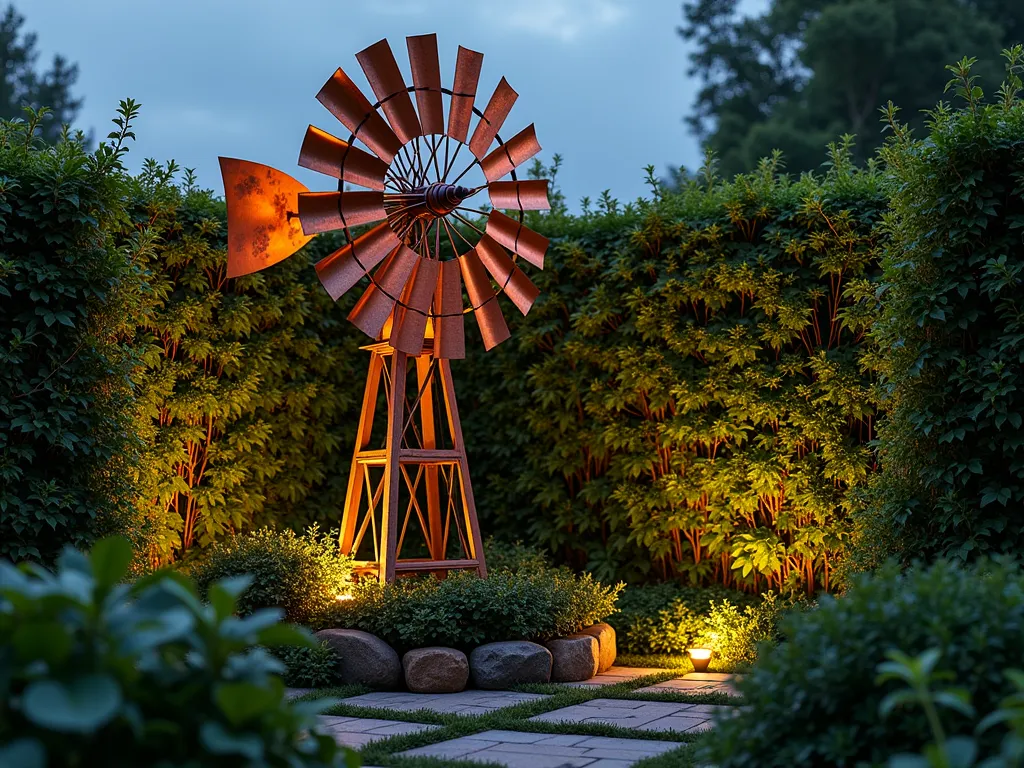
516, 718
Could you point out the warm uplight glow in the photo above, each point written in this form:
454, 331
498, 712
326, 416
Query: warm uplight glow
699, 653
344, 597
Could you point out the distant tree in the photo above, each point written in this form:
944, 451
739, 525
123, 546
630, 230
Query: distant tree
807, 71
23, 84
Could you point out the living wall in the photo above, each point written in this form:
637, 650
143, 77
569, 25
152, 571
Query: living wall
951, 332
67, 302
695, 404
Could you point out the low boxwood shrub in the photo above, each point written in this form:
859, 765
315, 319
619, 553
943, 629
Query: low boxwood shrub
97, 672
667, 618
313, 666
464, 611
814, 700
302, 575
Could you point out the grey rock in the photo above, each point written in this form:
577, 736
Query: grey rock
605, 635
501, 665
575, 658
435, 670
363, 658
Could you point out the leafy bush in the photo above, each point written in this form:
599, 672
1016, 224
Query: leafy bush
515, 556
951, 334
464, 611
66, 320
735, 635
308, 667
302, 575
666, 618
813, 699
96, 672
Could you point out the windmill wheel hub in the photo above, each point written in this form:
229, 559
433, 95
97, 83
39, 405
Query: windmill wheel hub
441, 199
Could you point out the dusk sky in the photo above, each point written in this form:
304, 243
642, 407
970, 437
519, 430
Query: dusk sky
604, 80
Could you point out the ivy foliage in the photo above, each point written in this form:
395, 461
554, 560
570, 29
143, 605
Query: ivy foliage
248, 386
68, 293
951, 332
695, 403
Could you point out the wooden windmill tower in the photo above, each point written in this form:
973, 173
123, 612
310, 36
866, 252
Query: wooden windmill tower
414, 232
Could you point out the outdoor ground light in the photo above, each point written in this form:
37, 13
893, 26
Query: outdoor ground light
700, 658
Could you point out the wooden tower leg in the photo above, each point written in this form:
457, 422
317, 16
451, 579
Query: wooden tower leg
392, 468
354, 494
435, 534
469, 505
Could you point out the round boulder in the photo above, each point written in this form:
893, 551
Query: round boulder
363, 658
435, 670
495, 666
575, 658
605, 635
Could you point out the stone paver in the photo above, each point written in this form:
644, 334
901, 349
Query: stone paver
357, 732
294, 693
641, 715
695, 682
540, 750
616, 675
463, 703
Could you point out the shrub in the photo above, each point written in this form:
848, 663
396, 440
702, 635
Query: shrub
96, 672
464, 611
666, 618
302, 575
951, 335
67, 288
813, 700
736, 634
308, 667
515, 556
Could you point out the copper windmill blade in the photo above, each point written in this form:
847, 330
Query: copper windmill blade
467, 76
494, 117
511, 154
517, 286
449, 322
374, 307
326, 154
327, 211
347, 103
381, 70
411, 315
517, 238
426, 77
493, 329
260, 230
343, 268
529, 195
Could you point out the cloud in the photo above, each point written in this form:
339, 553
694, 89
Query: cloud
564, 20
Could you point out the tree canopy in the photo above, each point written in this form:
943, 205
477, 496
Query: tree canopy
23, 84
804, 72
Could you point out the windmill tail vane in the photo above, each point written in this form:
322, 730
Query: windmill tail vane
416, 230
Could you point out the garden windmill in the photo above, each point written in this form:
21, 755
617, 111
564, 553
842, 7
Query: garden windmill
410, 230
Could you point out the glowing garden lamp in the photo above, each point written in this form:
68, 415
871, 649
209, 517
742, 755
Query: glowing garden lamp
700, 658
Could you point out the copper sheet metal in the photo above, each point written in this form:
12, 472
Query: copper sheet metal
511, 154
326, 211
260, 232
347, 103
467, 75
324, 153
411, 319
494, 116
449, 325
520, 195
341, 270
426, 77
381, 70
516, 285
491, 322
516, 237
374, 307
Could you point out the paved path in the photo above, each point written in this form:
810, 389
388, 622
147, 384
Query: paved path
540, 750
695, 682
357, 732
464, 703
617, 675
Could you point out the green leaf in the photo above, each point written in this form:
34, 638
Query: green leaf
220, 741
241, 702
223, 594
49, 641
110, 559
286, 634
83, 705
23, 753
